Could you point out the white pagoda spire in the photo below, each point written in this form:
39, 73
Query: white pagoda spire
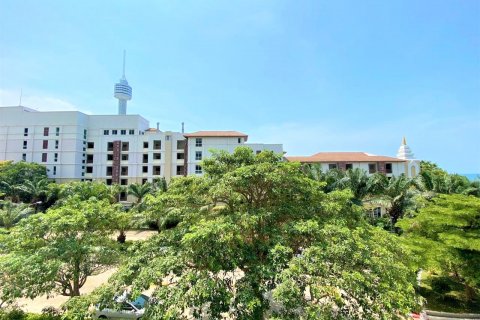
404, 152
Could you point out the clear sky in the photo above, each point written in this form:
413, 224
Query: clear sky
313, 75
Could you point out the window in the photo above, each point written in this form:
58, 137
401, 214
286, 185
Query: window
198, 142
349, 166
90, 145
372, 168
198, 169
145, 169
156, 170
109, 171
89, 158
24, 156
388, 168
110, 146
377, 212
124, 157
114, 132
123, 196
332, 166
45, 144
24, 144
108, 182
84, 149
145, 144
180, 144
56, 144
157, 156
124, 171
131, 131
123, 132
45, 131
198, 155
89, 169
180, 156
124, 146
123, 182
167, 137
106, 132
109, 157
258, 151
44, 157
57, 131
157, 144
55, 157
144, 181
54, 170
84, 133
145, 158
25, 132
239, 140
180, 170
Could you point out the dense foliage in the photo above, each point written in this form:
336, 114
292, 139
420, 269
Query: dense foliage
254, 238
256, 233
446, 234
58, 250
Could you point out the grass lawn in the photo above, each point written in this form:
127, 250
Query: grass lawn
444, 294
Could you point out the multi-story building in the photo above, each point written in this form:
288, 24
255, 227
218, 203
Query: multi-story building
119, 149
404, 163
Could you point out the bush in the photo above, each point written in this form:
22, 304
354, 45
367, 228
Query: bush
49, 313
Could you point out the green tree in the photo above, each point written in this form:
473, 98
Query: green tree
446, 234
396, 194
139, 191
243, 226
58, 250
358, 182
35, 190
16, 174
10, 213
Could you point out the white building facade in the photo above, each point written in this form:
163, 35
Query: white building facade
120, 149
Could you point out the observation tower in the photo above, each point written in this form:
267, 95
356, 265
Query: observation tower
122, 91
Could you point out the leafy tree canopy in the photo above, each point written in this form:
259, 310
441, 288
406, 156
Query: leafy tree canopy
446, 234
252, 228
58, 250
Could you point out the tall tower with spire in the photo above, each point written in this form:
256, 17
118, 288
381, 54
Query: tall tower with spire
404, 152
122, 91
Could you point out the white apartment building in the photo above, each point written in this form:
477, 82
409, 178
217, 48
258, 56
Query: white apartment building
119, 149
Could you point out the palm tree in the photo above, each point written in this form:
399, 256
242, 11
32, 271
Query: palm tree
10, 190
160, 185
35, 190
396, 195
139, 191
330, 177
358, 182
11, 212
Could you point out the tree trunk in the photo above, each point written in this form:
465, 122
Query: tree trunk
122, 237
76, 281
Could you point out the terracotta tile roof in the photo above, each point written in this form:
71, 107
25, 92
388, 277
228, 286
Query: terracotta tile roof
344, 157
234, 134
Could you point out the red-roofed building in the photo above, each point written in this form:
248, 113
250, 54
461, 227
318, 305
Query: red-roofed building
402, 164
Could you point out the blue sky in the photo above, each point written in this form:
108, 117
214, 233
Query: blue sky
313, 75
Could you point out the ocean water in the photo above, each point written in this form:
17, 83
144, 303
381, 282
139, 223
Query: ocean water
472, 176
